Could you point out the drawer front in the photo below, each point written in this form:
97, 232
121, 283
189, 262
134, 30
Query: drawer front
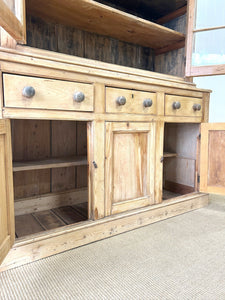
134, 101
49, 93
189, 107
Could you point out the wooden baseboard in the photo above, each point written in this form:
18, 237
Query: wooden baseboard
178, 188
56, 241
49, 201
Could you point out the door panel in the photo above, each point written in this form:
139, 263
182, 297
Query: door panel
212, 165
7, 227
12, 19
129, 170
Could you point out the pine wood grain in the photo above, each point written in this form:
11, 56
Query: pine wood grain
50, 163
70, 40
186, 108
130, 152
63, 143
49, 94
216, 163
7, 221
26, 225
78, 235
30, 142
81, 150
48, 220
134, 101
11, 24
95, 17
68, 214
52, 200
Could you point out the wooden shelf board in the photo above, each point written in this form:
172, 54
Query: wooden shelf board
169, 154
50, 163
95, 17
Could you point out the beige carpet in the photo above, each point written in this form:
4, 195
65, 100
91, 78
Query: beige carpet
180, 258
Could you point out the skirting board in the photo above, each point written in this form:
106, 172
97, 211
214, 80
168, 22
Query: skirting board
69, 237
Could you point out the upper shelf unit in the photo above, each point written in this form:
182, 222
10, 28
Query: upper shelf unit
95, 17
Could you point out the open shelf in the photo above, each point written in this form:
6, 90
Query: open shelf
169, 154
95, 17
50, 163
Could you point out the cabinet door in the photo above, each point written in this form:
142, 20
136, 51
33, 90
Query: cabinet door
129, 169
12, 19
7, 226
212, 162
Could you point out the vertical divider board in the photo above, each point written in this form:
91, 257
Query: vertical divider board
159, 143
96, 169
81, 149
1, 90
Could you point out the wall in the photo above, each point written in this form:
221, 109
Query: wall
217, 98
80, 43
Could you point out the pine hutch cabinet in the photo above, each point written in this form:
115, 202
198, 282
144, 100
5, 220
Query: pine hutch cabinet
90, 149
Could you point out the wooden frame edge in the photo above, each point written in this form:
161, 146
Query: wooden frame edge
100, 229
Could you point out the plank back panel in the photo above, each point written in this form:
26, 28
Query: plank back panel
68, 40
31, 141
31, 183
179, 172
63, 143
173, 62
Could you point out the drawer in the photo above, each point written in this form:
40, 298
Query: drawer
134, 101
49, 93
189, 107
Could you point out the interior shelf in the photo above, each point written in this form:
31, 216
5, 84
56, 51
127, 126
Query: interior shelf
169, 154
95, 17
50, 163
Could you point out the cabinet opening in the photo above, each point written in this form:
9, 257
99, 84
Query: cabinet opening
50, 174
181, 159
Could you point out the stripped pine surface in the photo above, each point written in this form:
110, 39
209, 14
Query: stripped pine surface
92, 16
50, 219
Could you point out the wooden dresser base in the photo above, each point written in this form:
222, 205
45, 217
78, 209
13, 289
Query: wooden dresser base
55, 241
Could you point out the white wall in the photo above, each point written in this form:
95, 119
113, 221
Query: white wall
217, 98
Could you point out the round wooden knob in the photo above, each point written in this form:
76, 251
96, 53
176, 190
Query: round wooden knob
176, 105
28, 91
121, 100
147, 103
78, 96
197, 106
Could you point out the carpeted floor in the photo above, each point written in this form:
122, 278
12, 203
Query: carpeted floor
180, 258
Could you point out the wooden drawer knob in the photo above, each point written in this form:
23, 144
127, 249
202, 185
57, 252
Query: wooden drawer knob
197, 106
176, 105
28, 91
147, 103
121, 100
78, 96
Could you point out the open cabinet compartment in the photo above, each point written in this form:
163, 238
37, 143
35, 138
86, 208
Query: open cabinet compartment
50, 174
181, 159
